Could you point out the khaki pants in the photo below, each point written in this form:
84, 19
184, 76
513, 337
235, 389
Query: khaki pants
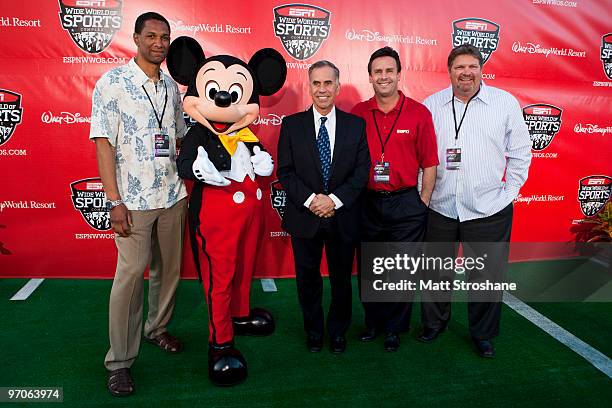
157, 241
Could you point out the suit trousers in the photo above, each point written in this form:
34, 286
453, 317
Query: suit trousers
400, 217
483, 316
340, 254
156, 240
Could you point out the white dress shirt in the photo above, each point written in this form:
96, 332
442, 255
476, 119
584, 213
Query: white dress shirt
330, 125
494, 141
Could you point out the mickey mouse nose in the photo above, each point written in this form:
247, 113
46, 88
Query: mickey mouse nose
223, 99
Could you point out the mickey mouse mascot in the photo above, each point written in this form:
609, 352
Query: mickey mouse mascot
224, 157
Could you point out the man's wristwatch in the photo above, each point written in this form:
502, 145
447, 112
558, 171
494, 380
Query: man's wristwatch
110, 204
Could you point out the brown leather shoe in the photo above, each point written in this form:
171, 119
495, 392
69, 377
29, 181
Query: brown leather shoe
166, 342
120, 383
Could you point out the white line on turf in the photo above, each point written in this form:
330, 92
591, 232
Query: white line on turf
268, 285
593, 356
27, 289
601, 262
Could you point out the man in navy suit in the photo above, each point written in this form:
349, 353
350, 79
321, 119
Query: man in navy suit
323, 165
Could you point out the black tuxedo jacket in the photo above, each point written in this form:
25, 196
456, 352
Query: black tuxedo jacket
198, 135
299, 172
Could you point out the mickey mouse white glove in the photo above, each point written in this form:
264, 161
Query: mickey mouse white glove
263, 165
205, 171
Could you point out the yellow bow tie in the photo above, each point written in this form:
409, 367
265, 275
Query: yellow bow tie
231, 142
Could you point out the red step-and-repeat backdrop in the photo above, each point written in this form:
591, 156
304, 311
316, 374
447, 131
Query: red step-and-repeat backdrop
555, 56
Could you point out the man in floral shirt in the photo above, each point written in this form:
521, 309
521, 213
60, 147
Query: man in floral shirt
137, 123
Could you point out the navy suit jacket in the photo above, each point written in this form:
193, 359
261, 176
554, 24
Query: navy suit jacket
299, 172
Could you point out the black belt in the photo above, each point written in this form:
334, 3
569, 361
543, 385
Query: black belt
387, 193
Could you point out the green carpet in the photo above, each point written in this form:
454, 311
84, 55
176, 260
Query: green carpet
589, 321
58, 337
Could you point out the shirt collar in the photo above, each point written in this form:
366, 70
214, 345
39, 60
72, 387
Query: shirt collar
373, 105
140, 78
331, 116
483, 95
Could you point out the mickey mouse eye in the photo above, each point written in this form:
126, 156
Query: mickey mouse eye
235, 92
211, 90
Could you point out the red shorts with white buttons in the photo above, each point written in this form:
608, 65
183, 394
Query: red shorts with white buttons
228, 234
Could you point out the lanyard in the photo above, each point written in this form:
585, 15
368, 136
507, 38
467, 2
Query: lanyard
457, 128
382, 145
159, 120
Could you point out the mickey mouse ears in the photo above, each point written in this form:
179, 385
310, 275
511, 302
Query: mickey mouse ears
270, 69
185, 57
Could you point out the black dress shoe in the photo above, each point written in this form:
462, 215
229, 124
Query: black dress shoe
259, 322
484, 348
337, 345
368, 335
392, 341
429, 334
226, 365
314, 343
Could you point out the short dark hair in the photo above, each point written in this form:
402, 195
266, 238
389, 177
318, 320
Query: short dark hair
464, 49
325, 63
385, 52
150, 15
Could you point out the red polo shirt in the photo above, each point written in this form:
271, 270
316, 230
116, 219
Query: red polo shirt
412, 143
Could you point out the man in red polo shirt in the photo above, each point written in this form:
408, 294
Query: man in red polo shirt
402, 140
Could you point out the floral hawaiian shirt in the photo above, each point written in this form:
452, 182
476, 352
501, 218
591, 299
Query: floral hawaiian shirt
124, 114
